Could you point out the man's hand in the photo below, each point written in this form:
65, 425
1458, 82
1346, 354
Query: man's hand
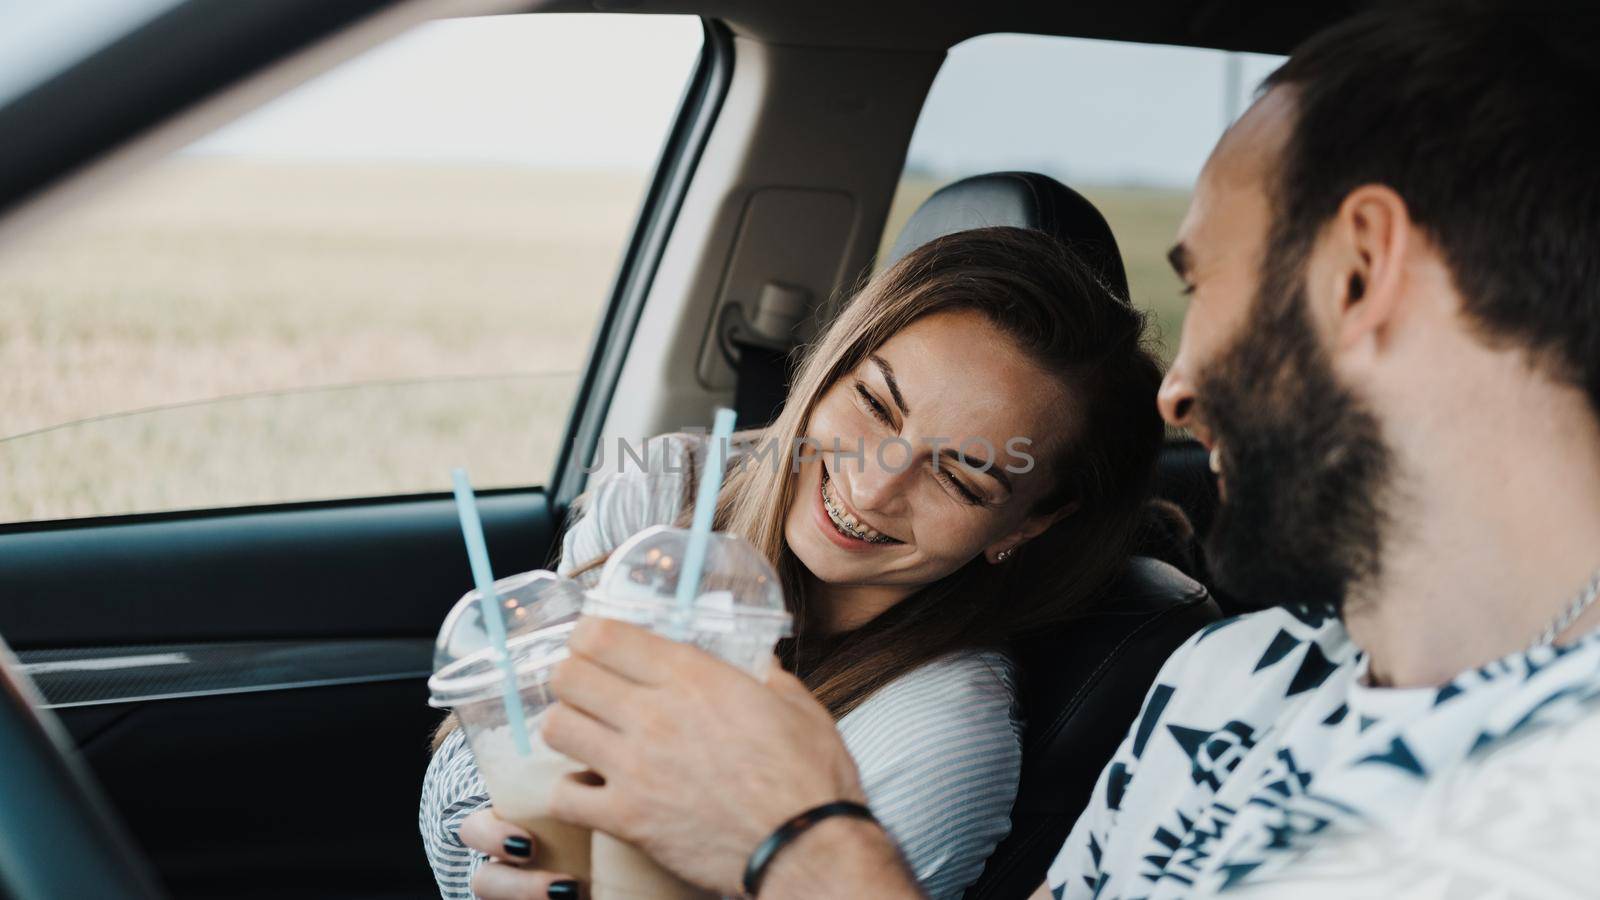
700, 761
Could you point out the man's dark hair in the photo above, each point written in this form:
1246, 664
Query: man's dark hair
1487, 123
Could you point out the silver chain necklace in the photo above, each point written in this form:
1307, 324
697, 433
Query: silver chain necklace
1584, 599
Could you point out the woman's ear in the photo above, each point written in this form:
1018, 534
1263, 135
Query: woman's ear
1031, 527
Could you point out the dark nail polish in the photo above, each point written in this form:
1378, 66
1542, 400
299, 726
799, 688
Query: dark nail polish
518, 846
563, 890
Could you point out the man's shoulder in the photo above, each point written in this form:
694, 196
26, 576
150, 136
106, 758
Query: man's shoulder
1255, 640
1208, 711
1249, 667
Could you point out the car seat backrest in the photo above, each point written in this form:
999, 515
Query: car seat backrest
1020, 199
1082, 685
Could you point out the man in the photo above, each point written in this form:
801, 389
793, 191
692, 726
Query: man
1393, 354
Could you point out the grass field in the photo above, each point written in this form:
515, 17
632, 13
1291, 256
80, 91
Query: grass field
226, 333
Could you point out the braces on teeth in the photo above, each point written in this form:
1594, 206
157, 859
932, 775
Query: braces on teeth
837, 516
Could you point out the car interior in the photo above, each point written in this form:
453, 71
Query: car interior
201, 702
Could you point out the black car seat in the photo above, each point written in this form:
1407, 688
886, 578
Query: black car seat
1082, 683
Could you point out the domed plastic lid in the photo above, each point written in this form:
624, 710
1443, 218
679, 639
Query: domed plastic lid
739, 591
539, 610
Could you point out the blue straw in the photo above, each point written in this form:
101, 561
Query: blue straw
705, 506
489, 604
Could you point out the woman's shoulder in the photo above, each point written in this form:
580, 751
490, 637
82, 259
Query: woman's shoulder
987, 670
965, 691
664, 464
940, 755
633, 488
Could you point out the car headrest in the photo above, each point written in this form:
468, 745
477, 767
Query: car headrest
1022, 200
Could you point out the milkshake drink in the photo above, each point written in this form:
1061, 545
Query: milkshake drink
737, 614
539, 610
519, 786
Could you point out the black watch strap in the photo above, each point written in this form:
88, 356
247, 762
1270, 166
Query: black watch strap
783, 835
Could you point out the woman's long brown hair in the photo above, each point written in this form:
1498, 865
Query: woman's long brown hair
1036, 291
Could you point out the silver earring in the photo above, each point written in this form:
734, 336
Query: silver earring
1002, 556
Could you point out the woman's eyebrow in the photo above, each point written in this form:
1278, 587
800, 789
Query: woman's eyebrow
888, 378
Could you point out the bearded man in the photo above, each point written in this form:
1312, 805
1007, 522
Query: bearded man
1392, 352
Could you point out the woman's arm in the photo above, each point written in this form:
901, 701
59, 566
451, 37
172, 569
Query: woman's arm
451, 792
940, 755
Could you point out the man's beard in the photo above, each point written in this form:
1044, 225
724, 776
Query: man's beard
1304, 461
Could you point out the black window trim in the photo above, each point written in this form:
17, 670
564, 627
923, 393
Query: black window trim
184, 55
680, 157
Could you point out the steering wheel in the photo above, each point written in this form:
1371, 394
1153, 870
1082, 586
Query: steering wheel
58, 836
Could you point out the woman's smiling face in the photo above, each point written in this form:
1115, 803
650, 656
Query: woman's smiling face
910, 510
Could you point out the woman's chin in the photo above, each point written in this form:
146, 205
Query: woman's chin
818, 558
824, 561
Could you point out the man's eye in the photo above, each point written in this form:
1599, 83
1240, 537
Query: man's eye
1188, 289
877, 409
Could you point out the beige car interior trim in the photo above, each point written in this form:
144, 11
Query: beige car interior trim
792, 191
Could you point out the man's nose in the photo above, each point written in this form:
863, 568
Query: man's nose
1176, 398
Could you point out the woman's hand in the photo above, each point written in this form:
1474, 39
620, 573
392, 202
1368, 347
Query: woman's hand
509, 873
700, 761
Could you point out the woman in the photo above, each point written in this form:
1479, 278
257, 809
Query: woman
976, 437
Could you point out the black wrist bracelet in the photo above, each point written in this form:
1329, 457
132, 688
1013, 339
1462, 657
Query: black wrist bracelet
756, 869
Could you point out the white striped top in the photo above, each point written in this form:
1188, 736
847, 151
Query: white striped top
939, 749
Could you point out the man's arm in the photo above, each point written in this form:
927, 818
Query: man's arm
701, 762
843, 858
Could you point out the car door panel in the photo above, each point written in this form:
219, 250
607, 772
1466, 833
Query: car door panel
284, 793
360, 569
250, 687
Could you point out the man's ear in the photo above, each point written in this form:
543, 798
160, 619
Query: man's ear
1369, 239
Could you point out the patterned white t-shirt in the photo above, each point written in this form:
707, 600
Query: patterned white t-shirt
1262, 766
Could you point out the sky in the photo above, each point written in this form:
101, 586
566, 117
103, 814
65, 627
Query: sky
599, 91
1087, 112
590, 91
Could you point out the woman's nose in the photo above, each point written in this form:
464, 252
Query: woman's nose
875, 488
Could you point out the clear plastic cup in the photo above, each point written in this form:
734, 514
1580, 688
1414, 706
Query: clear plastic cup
737, 616
540, 610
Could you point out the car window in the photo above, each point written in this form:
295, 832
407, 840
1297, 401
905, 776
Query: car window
395, 269
1127, 125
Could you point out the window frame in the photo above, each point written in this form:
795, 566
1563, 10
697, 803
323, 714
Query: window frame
666, 186
680, 157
